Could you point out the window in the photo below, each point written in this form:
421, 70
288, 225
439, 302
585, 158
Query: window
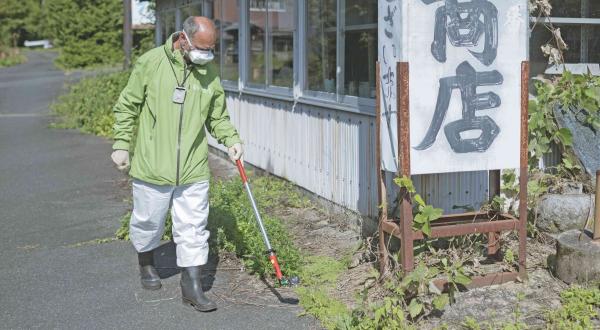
270, 46
321, 45
213, 11
191, 10
360, 48
167, 19
257, 46
281, 43
579, 23
229, 26
342, 48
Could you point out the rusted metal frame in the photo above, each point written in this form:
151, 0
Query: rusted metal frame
494, 190
523, 176
453, 219
483, 280
403, 122
461, 221
455, 230
467, 218
381, 189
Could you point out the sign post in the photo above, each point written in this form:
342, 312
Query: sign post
462, 89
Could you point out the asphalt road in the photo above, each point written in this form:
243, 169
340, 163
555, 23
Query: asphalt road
58, 193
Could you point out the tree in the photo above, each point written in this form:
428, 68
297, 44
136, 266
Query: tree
90, 32
19, 19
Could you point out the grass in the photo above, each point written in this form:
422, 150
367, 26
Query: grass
88, 104
319, 274
579, 308
11, 56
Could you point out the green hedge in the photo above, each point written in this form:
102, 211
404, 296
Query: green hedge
89, 32
88, 104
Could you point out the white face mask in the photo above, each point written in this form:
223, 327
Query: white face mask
198, 56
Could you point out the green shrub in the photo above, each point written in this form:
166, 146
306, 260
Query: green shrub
580, 93
11, 56
88, 104
20, 20
233, 219
89, 32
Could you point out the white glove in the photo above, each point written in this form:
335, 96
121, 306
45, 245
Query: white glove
121, 159
235, 152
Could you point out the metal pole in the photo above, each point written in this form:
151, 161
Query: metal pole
127, 34
597, 212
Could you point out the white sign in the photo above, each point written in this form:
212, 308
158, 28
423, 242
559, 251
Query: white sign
389, 54
465, 83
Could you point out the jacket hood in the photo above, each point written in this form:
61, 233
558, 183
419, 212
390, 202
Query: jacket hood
173, 55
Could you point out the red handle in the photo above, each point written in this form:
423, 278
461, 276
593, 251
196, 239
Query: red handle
275, 263
242, 171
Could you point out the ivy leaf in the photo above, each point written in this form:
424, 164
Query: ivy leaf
420, 218
593, 93
432, 213
426, 229
415, 308
405, 182
565, 136
419, 200
462, 279
441, 301
533, 106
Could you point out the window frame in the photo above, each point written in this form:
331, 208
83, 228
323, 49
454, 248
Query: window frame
229, 85
346, 102
583, 22
266, 89
299, 92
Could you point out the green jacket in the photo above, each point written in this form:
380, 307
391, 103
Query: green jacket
171, 146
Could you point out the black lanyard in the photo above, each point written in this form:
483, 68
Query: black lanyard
185, 73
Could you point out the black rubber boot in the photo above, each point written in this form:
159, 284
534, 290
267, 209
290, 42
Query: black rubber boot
148, 275
191, 290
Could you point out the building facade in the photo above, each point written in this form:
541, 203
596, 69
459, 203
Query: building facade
300, 82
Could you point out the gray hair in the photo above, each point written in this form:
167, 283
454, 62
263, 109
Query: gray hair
190, 26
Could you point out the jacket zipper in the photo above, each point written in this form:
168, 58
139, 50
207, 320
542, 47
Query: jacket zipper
179, 143
179, 131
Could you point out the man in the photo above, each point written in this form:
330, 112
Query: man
174, 92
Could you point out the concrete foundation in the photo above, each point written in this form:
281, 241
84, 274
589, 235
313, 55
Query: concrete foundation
577, 257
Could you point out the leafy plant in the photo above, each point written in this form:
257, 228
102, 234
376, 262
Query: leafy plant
579, 94
319, 273
88, 104
423, 214
11, 56
455, 275
318, 303
579, 309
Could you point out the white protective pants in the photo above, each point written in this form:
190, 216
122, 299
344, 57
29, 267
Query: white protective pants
189, 210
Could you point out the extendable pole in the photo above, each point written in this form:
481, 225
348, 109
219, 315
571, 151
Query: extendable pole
270, 251
597, 212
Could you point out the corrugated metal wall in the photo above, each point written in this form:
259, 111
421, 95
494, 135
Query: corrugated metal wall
332, 153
